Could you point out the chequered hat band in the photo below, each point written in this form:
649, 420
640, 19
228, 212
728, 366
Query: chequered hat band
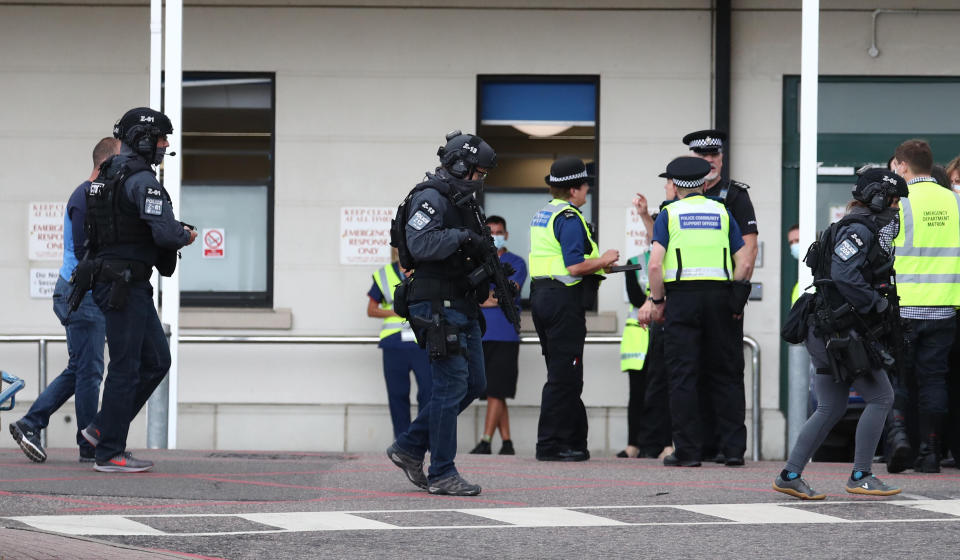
707, 142
684, 184
581, 175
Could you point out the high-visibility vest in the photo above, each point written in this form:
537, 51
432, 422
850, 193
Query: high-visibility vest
546, 255
699, 244
927, 248
795, 294
387, 280
636, 339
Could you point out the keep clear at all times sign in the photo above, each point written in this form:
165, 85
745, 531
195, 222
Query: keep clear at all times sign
365, 235
45, 243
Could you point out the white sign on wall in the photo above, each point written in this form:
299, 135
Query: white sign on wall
45, 225
636, 242
365, 235
43, 281
214, 243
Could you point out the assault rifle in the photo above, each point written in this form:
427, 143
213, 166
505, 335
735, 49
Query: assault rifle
491, 269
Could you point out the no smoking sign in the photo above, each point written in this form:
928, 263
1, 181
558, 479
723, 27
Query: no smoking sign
213, 243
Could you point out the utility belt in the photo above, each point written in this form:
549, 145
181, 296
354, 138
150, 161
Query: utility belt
437, 335
584, 291
118, 273
853, 346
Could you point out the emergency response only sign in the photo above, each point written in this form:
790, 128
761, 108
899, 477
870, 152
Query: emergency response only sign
45, 225
365, 235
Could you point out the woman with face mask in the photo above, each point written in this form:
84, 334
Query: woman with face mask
852, 269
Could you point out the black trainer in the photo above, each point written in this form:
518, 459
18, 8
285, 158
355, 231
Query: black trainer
482, 448
454, 485
507, 448
29, 441
410, 465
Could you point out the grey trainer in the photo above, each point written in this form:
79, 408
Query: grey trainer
92, 434
872, 486
123, 463
410, 465
454, 485
798, 488
29, 441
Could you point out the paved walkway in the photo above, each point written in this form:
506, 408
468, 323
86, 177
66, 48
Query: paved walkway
254, 504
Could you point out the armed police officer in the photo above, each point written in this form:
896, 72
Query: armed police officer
441, 238
566, 268
696, 288
709, 144
131, 230
851, 317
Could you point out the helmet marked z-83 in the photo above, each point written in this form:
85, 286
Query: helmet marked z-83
141, 128
878, 187
464, 153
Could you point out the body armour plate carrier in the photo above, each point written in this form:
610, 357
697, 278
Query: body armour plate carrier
111, 218
876, 270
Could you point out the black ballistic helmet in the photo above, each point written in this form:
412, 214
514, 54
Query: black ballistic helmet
878, 187
464, 153
140, 128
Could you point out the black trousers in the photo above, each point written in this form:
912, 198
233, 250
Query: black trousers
648, 413
558, 316
700, 343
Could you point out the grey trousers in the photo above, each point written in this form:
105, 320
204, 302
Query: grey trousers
832, 401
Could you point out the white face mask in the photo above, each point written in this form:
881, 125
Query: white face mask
499, 241
795, 250
956, 188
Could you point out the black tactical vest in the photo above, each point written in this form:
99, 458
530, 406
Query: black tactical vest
876, 269
111, 218
455, 267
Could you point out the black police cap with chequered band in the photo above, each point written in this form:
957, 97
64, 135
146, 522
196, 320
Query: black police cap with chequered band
706, 141
568, 172
687, 172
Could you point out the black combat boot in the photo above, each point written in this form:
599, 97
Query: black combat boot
898, 444
928, 457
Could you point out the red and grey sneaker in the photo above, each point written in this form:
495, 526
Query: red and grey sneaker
92, 434
123, 463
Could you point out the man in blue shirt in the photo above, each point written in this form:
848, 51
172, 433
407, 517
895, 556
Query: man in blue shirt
85, 334
501, 348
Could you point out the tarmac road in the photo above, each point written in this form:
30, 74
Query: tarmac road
239, 505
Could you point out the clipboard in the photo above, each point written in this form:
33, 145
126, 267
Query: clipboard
624, 268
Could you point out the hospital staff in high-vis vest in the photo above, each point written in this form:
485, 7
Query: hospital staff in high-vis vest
927, 261
697, 290
401, 353
566, 268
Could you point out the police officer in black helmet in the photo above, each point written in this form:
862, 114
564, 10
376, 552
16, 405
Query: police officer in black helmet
130, 229
851, 312
443, 238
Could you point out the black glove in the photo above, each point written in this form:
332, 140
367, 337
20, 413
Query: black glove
474, 243
739, 294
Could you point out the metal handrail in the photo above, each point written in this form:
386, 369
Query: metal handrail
43, 340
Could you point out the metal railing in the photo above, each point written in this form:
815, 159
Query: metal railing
43, 340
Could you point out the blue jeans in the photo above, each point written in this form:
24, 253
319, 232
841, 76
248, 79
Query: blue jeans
397, 365
139, 360
85, 334
457, 381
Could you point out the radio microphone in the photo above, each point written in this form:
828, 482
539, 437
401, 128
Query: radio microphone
171, 153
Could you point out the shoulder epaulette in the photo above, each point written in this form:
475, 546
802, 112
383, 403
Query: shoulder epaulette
743, 186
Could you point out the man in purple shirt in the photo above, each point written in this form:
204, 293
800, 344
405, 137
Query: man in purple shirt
501, 348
